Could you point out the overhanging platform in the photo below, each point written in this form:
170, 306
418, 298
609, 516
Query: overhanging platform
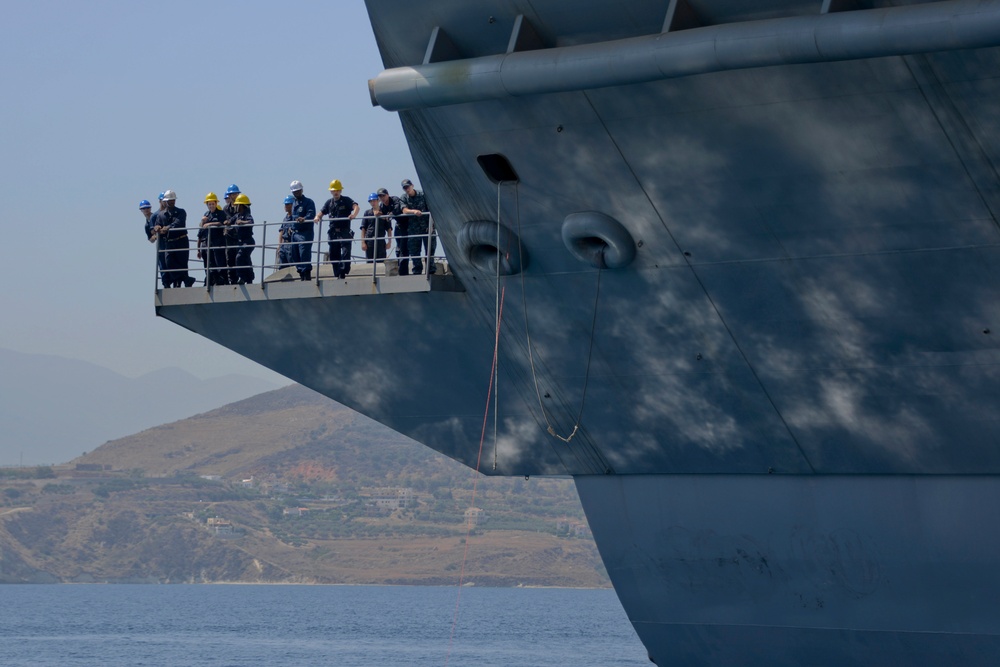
284, 284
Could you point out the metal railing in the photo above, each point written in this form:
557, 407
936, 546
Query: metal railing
226, 255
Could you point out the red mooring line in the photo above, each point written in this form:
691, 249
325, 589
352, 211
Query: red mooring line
475, 479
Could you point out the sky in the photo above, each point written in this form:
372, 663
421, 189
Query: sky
109, 102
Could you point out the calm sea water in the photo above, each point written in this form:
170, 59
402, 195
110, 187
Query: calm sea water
293, 626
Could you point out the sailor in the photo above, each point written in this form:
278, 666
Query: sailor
376, 231
173, 225
285, 234
242, 224
341, 210
212, 242
415, 206
201, 247
231, 233
303, 231
390, 206
147, 211
153, 224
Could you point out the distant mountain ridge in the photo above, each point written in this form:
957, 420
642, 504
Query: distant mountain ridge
236, 439
53, 409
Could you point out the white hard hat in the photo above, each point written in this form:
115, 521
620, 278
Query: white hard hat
296, 185
169, 195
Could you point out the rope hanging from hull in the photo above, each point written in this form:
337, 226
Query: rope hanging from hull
527, 335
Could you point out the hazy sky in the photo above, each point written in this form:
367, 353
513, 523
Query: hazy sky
108, 102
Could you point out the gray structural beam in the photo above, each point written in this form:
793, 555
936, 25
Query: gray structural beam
834, 36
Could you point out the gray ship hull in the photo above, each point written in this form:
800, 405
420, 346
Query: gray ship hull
803, 570
788, 446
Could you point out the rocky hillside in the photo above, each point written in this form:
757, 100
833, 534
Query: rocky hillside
286, 486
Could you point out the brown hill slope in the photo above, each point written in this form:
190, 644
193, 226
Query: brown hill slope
303, 490
232, 439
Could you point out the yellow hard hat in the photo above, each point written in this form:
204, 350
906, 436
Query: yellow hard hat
242, 199
211, 197
335, 184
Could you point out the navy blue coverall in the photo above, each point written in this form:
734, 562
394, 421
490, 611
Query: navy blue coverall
240, 245
374, 231
340, 233
302, 235
212, 241
177, 247
418, 233
161, 245
285, 234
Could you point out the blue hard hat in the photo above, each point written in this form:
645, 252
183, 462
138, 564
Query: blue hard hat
289, 199
161, 196
233, 189
373, 196
145, 204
